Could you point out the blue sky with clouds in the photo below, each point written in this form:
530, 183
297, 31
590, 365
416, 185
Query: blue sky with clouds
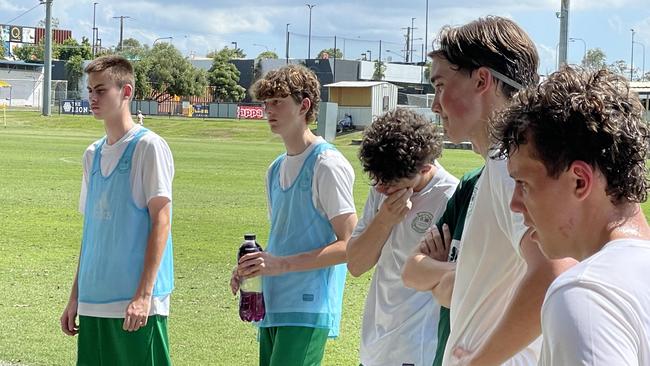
198, 26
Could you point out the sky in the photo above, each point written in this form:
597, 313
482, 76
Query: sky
199, 26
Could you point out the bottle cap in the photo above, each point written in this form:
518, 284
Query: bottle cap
249, 237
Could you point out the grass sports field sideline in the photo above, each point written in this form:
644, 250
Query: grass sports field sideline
218, 196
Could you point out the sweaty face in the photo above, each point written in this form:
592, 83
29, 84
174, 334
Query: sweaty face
546, 203
455, 100
106, 98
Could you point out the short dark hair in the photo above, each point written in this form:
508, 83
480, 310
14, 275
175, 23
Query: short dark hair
296, 81
494, 42
397, 144
118, 69
576, 115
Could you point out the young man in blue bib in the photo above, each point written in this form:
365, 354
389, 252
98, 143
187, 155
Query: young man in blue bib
125, 274
312, 217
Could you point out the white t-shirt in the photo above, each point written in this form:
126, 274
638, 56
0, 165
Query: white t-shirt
152, 172
332, 182
490, 266
400, 324
598, 312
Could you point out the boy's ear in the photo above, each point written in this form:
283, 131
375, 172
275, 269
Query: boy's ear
484, 79
305, 105
128, 90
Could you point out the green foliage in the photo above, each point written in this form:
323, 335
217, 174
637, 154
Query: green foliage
224, 77
331, 53
620, 67
70, 48
228, 53
380, 69
132, 49
267, 54
595, 59
2, 49
60, 51
74, 69
163, 72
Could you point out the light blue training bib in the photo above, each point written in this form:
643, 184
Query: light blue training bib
115, 236
311, 298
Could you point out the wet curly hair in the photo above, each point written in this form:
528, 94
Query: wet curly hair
576, 115
293, 80
397, 144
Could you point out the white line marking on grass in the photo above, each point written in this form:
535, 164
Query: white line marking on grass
69, 161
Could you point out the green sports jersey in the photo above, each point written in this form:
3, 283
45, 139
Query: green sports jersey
454, 217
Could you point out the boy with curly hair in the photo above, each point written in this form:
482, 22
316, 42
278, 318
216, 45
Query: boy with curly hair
312, 217
577, 147
408, 194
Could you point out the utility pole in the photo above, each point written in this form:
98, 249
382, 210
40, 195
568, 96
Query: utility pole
121, 18
94, 31
412, 36
408, 42
310, 6
564, 32
632, 56
287, 46
47, 79
426, 34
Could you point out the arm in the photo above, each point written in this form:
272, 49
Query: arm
266, 264
364, 250
427, 264
521, 322
445, 288
137, 311
69, 325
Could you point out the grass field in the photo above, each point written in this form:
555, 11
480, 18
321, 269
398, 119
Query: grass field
218, 196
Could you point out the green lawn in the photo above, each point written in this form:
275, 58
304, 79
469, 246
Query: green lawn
218, 196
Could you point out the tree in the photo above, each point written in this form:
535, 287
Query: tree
133, 50
267, 54
229, 53
74, 70
595, 59
70, 48
2, 49
380, 69
224, 77
163, 72
619, 67
331, 53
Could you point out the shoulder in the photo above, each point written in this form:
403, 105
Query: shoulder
332, 159
151, 141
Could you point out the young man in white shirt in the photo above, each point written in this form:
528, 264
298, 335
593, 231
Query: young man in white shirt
577, 147
125, 274
501, 276
410, 191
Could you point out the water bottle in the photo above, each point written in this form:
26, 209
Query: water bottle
251, 300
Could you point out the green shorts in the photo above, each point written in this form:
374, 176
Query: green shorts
102, 341
292, 346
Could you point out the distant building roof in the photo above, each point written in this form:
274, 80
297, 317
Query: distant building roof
640, 86
355, 84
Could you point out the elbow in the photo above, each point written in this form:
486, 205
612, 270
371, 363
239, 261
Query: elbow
408, 278
355, 270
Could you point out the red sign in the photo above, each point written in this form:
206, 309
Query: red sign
250, 112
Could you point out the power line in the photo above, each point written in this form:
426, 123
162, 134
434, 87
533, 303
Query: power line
34, 7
